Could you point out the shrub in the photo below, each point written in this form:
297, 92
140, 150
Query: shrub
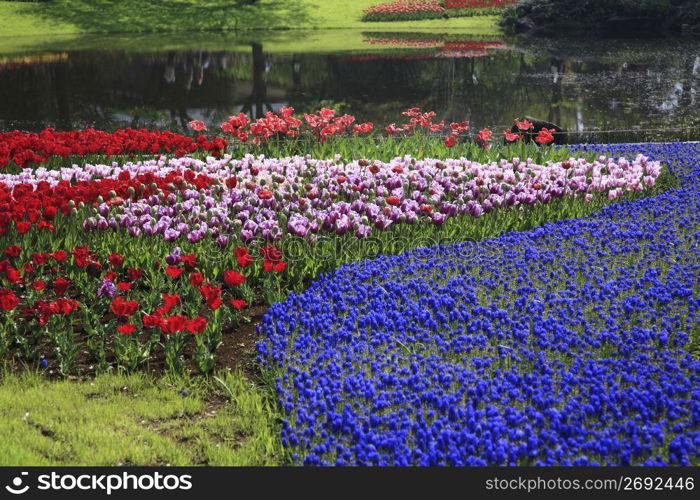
631, 16
465, 8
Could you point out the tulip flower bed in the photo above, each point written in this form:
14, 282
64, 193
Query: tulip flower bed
24, 149
441, 355
404, 10
59, 303
567, 344
266, 199
322, 134
160, 259
409, 10
478, 4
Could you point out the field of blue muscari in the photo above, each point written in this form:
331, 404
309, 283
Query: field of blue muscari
575, 343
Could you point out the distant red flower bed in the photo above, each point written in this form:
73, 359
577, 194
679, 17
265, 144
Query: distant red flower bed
404, 10
478, 4
29, 148
411, 10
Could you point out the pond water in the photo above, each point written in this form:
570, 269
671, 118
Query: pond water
612, 90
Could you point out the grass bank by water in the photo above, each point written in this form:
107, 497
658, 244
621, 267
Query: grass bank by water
60, 17
308, 41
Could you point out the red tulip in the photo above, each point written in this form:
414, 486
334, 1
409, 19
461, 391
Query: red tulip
115, 260
545, 136
510, 136
127, 329
214, 303
197, 125
174, 271
13, 251
196, 325
484, 135
60, 286
243, 257
170, 301
151, 320
393, 200
524, 125
196, 279
173, 324
232, 278
210, 292
66, 306
274, 266
189, 261
8, 300
13, 276
270, 252
239, 304
133, 274
122, 307
59, 256
40, 259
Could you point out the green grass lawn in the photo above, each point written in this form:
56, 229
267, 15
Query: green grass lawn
332, 41
60, 17
136, 420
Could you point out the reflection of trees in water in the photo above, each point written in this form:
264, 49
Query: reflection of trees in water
257, 104
169, 89
689, 90
657, 93
60, 87
578, 93
117, 88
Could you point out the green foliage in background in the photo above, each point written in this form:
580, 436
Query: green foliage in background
636, 17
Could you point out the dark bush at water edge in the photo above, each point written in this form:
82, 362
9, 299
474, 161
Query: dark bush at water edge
561, 17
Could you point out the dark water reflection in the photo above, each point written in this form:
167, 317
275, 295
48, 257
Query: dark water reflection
643, 89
